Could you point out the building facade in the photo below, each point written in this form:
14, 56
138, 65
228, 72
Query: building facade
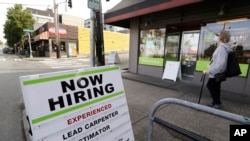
44, 44
44, 38
73, 37
184, 31
41, 16
72, 20
113, 41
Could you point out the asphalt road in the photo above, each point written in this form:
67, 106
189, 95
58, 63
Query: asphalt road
11, 68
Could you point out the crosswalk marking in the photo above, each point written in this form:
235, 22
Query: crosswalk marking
78, 66
16, 59
82, 59
57, 64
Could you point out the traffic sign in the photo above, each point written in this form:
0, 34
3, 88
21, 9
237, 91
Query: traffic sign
28, 30
94, 5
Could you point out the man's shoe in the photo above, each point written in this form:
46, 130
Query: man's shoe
210, 104
217, 106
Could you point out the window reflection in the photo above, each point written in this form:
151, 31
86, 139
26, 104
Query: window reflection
172, 47
189, 52
152, 47
240, 37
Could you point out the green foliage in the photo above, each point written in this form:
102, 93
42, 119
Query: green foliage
1, 42
17, 20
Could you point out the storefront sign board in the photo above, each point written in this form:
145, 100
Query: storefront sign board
172, 70
113, 58
85, 104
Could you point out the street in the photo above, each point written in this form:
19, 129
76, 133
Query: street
11, 101
11, 67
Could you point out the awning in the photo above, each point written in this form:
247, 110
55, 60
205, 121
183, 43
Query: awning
143, 8
42, 36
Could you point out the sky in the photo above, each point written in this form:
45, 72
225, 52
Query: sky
79, 8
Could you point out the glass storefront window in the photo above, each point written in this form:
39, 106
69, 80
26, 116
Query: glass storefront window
172, 47
152, 47
240, 36
189, 49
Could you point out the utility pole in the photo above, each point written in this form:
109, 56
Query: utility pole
99, 39
92, 37
58, 55
96, 6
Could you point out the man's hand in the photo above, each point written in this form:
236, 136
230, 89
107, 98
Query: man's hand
206, 72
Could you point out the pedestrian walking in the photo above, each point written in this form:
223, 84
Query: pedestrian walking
218, 65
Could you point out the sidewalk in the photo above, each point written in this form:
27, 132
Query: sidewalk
63, 57
144, 91
47, 58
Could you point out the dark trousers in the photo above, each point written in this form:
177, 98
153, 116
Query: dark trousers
214, 89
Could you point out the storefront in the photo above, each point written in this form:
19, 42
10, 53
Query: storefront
156, 48
183, 32
44, 44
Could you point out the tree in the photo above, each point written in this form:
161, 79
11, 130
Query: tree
1, 42
209, 51
17, 20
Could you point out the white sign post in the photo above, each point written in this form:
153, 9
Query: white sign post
28, 33
77, 105
172, 70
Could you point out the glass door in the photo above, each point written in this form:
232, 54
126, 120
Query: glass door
188, 53
171, 50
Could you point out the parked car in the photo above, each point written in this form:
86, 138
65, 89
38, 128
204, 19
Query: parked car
8, 50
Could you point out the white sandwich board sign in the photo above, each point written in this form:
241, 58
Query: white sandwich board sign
113, 58
172, 70
77, 105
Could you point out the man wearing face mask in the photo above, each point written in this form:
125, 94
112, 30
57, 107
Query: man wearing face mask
218, 65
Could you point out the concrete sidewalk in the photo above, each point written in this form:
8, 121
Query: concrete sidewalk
144, 91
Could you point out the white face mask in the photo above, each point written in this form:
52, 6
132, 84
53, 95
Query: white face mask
216, 39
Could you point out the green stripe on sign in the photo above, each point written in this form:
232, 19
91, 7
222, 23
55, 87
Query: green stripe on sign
59, 77
77, 107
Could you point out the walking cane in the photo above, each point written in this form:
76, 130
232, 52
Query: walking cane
202, 80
